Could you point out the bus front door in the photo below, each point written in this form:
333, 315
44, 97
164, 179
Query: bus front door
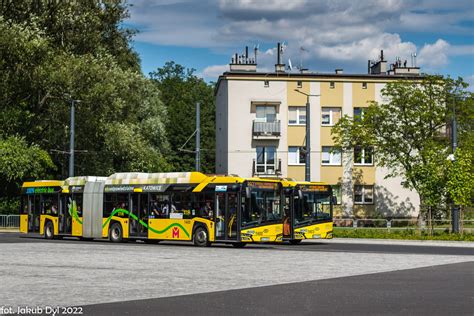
226, 216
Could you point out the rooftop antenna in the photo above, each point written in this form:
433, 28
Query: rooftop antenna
290, 66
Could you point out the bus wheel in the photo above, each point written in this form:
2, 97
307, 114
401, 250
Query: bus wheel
239, 244
49, 230
115, 232
295, 241
200, 237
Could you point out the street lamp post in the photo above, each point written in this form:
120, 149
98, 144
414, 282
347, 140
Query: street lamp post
454, 143
307, 174
71, 136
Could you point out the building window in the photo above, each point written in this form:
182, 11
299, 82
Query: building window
266, 83
364, 194
332, 84
299, 84
364, 85
265, 113
296, 115
330, 116
266, 160
363, 155
296, 155
331, 156
359, 114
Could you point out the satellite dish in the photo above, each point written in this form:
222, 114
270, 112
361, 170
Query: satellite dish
290, 66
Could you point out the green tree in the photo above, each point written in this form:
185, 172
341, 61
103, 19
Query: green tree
408, 132
181, 89
51, 49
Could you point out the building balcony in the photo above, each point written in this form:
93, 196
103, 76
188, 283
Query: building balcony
266, 169
266, 130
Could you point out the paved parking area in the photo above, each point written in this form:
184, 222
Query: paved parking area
36, 272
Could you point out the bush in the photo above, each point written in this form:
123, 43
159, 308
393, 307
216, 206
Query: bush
399, 234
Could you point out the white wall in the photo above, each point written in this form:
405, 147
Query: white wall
241, 146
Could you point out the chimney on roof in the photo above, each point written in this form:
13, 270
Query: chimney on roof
339, 71
279, 67
379, 67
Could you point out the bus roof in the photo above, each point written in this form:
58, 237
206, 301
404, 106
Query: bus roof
155, 178
81, 180
42, 183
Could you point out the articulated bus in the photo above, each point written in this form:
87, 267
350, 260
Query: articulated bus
308, 209
156, 206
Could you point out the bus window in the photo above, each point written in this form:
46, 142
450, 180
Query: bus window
159, 205
183, 204
205, 205
264, 208
77, 198
49, 205
116, 204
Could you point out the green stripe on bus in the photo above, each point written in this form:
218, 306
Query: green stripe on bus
143, 223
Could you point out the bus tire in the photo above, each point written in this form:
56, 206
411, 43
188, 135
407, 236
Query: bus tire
200, 237
239, 244
48, 230
116, 233
295, 241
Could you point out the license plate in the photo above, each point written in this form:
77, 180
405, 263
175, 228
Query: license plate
316, 236
265, 239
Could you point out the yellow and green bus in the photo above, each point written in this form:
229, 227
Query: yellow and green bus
155, 206
308, 210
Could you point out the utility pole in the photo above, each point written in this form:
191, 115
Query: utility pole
198, 136
454, 144
307, 174
71, 137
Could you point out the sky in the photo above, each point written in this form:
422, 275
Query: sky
320, 35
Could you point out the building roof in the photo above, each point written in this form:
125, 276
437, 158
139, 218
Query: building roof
311, 75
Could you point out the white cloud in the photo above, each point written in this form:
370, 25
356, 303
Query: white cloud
341, 33
212, 72
436, 54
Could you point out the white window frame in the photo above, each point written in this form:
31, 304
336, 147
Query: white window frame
297, 116
265, 119
337, 187
363, 156
332, 85
364, 85
298, 155
269, 168
331, 119
364, 188
332, 155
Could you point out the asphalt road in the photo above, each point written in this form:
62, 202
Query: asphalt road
440, 290
323, 246
328, 277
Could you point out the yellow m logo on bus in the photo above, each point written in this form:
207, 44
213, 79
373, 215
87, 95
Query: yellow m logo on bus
175, 232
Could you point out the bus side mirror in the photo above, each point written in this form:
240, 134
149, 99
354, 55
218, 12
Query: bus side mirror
248, 194
333, 200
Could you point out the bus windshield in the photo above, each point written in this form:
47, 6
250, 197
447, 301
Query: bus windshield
263, 208
314, 206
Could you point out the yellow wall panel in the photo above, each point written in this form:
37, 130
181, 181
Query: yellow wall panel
296, 172
331, 174
360, 96
296, 98
331, 97
296, 135
363, 175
